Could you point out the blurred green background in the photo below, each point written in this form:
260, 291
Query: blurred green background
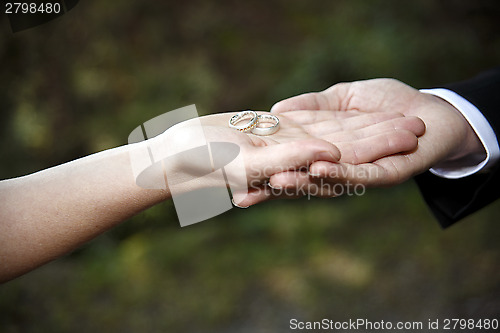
81, 83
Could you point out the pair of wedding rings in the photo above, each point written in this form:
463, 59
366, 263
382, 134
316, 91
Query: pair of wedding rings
253, 120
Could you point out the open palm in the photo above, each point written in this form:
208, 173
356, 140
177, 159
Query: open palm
446, 131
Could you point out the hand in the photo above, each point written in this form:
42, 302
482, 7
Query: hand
53, 211
447, 136
296, 146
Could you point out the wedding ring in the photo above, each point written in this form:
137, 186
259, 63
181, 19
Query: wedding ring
266, 118
247, 125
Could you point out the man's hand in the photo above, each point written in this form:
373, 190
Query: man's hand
391, 156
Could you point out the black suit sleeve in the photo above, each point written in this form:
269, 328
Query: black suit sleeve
453, 199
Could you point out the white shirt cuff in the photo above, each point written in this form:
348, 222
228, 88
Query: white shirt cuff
483, 130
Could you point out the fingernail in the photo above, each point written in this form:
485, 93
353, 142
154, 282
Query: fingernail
274, 187
235, 204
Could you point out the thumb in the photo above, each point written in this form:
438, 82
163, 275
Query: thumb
308, 101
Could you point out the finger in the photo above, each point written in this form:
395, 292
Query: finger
263, 193
375, 147
254, 195
287, 185
355, 120
320, 123
349, 119
387, 171
262, 162
363, 129
306, 185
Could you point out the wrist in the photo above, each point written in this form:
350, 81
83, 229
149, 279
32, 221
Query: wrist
471, 146
194, 158
468, 146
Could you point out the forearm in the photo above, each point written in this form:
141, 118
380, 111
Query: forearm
49, 213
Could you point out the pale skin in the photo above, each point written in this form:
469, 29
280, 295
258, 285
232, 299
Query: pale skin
448, 136
47, 214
